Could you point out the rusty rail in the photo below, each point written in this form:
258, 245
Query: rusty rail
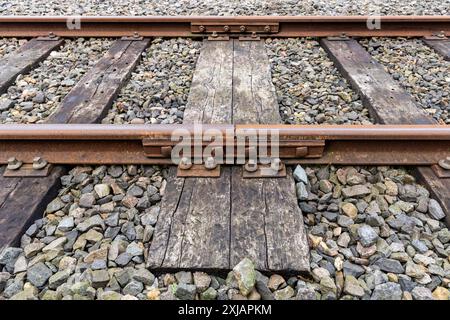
198, 26
152, 144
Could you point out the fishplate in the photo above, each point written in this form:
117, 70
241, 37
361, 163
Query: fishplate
221, 29
16, 168
244, 153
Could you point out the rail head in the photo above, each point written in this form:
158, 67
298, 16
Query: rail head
145, 131
188, 26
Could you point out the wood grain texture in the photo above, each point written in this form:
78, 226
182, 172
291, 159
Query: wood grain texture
440, 46
93, 95
24, 203
378, 88
22, 200
193, 226
24, 59
439, 188
388, 102
212, 224
210, 96
254, 96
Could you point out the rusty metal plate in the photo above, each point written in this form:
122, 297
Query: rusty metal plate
441, 172
265, 171
218, 38
249, 38
233, 27
26, 170
199, 171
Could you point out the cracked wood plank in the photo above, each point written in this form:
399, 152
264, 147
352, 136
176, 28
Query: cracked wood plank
440, 46
212, 224
24, 203
388, 101
194, 232
210, 95
93, 95
22, 200
24, 59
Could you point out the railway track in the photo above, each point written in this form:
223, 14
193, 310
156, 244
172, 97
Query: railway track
215, 212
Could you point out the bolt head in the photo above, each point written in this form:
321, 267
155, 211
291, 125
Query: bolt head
185, 163
251, 166
210, 163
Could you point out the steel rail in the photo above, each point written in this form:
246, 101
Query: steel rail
198, 26
152, 144
141, 131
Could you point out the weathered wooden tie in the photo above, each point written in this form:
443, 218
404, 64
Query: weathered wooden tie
213, 223
93, 95
24, 59
440, 46
387, 101
22, 200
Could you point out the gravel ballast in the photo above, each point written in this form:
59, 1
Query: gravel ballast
34, 96
309, 88
159, 86
373, 233
233, 7
419, 69
9, 45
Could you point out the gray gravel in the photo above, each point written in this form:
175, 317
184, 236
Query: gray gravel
100, 225
310, 89
34, 96
233, 7
419, 69
371, 233
159, 86
9, 45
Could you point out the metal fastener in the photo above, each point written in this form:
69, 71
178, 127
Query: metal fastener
13, 164
185, 163
201, 28
251, 166
210, 163
135, 35
39, 163
214, 34
226, 28
445, 163
276, 164
242, 28
51, 35
267, 29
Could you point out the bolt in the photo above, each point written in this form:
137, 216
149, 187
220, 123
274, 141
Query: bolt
343, 35
253, 34
267, 29
226, 28
51, 35
39, 163
135, 35
214, 34
242, 28
251, 166
13, 164
210, 163
276, 164
441, 34
201, 28
445, 163
185, 163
